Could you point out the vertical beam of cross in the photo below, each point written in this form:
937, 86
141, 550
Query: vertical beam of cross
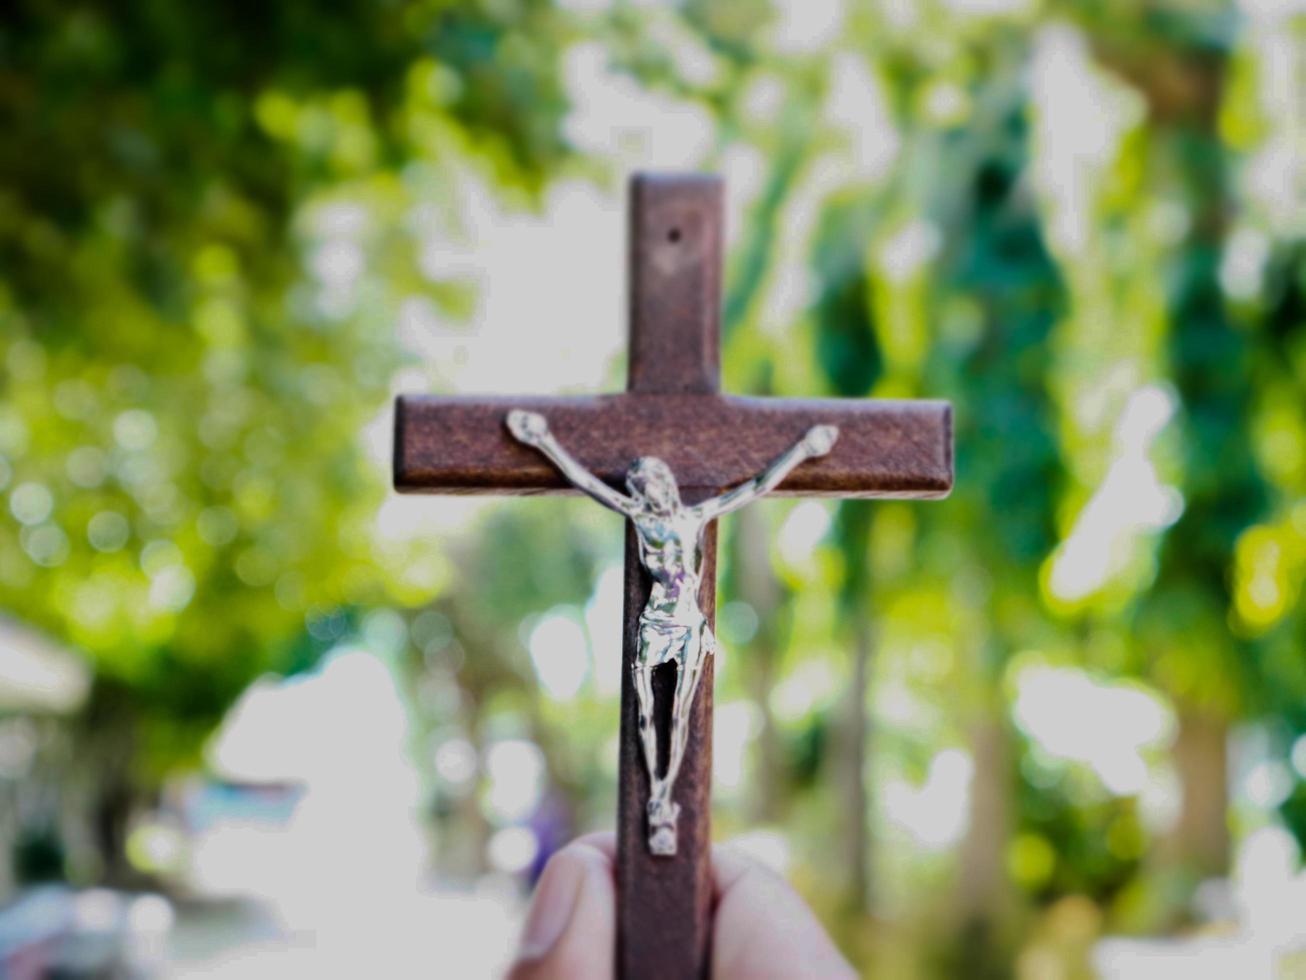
664, 905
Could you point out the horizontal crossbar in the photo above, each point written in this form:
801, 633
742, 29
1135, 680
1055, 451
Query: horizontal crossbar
460, 445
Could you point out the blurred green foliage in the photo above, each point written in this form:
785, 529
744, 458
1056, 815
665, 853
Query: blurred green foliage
182, 403
1082, 223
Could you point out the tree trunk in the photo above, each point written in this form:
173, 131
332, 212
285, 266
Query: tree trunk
759, 587
1199, 841
982, 901
105, 743
463, 853
852, 755
982, 887
111, 823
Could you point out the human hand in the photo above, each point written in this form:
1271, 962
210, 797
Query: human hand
528, 427
762, 930
820, 439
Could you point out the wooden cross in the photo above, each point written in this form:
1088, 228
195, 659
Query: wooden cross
672, 408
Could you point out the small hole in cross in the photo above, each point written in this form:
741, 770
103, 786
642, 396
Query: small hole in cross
673, 235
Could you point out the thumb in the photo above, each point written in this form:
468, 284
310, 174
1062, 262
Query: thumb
763, 930
571, 930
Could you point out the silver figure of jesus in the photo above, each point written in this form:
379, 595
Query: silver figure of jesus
672, 627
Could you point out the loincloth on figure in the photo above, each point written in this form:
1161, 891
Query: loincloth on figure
664, 641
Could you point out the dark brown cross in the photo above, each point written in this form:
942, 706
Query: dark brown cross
672, 408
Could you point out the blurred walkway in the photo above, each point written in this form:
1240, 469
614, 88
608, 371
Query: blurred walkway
445, 933
334, 879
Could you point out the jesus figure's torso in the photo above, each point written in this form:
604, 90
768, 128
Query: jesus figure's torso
671, 549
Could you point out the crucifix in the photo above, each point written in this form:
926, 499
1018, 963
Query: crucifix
685, 454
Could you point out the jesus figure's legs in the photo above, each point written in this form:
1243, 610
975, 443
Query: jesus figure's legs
687, 648
648, 734
699, 645
660, 642
661, 811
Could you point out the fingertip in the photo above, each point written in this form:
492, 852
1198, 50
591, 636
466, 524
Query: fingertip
762, 928
603, 841
571, 928
728, 865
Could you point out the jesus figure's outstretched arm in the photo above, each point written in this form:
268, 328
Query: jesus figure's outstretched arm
817, 441
532, 429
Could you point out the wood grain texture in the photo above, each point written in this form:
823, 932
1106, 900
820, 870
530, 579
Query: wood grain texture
675, 284
673, 410
885, 448
664, 904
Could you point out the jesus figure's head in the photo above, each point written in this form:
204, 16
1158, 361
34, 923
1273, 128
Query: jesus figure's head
651, 480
